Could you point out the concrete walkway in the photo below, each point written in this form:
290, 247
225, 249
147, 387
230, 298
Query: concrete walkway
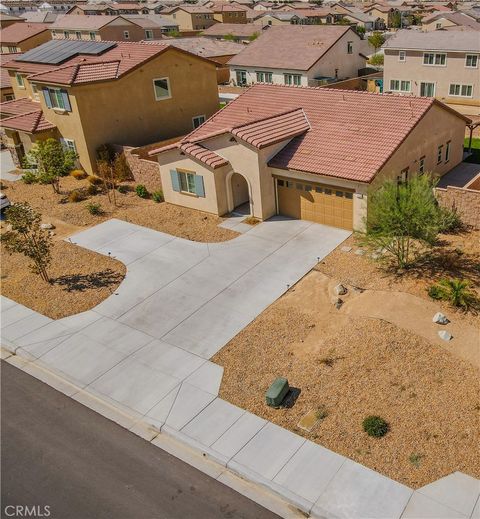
7, 165
145, 352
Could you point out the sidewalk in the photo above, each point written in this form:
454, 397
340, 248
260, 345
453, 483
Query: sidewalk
141, 359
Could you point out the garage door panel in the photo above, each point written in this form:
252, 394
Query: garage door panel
315, 202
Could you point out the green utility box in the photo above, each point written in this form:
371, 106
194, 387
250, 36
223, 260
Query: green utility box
277, 392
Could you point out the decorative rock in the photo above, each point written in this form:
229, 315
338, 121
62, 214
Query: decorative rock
346, 249
439, 318
47, 226
337, 302
51, 233
359, 252
340, 290
446, 336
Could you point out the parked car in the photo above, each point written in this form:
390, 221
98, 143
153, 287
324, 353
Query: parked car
4, 202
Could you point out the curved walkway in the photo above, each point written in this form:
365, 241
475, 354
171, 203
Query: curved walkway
145, 351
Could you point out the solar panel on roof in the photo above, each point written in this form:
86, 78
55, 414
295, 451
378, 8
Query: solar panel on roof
55, 52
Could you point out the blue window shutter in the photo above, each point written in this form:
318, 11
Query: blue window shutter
46, 95
175, 180
66, 101
199, 188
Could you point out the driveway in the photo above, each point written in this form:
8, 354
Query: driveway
145, 351
180, 302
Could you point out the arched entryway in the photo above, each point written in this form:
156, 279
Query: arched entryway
239, 194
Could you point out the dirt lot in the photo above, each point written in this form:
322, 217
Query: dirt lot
80, 280
175, 220
368, 358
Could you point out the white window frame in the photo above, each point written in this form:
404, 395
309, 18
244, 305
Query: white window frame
20, 80
461, 85
56, 98
289, 79
264, 76
35, 92
69, 144
163, 98
427, 83
399, 89
148, 34
183, 179
198, 117
435, 54
349, 47
126, 35
402, 56
471, 56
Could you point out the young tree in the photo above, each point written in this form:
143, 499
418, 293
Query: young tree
376, 60
376, 40
399, 214
52, 161
112, 168
28, 238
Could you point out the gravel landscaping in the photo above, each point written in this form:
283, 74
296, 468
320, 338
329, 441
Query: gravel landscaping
171, 219
348, 365
81, 279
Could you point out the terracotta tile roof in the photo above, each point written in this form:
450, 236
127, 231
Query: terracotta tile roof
83, 21
208, 157
351, 134
207, 47
112, 64
274, 129
18, 32
293, 47
31, 122
18, 106
189, 9
5, 81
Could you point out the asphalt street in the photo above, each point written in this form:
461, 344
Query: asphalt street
69, 462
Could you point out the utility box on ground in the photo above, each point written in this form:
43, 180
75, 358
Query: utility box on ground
277, 392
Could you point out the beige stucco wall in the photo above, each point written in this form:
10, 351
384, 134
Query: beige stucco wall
414, 70
126, 112
432, 26
190, 21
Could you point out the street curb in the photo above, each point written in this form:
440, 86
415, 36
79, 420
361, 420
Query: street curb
175, 443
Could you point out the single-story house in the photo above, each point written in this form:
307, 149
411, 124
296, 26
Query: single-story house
308, 153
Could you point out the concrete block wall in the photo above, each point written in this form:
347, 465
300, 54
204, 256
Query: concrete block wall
465, 201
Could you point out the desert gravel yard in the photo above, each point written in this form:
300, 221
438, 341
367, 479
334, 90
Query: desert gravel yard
81, 279
168, 218
365, 359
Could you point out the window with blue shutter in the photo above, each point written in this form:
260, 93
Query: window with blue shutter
175, 180
199, 187
57, 98
66, 100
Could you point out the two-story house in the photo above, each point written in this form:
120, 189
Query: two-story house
441, 64
450, 20
88, 93
113, 9
309, 153
110, 28
300, 55
229, 13
21, 37
190, 18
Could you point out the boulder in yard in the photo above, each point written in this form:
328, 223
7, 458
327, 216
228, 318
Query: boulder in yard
446, 336
47, 226
337, 302
439, 318
340, 290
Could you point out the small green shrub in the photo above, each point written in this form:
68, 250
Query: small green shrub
79, 174
141, 191
456, 291
321, 413
94, 208
449, 220
94, 180
375, 426
415, 458
30, 177
122, 188
157, 196
75, 196
91, 189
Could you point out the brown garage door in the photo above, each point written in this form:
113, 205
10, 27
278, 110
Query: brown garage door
319, 203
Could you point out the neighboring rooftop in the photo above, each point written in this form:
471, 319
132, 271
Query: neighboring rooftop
18, 32
434, 40
456, 18
292, 47
39, 16
80, 62
207, 47
5, 81
238, 30
322, 124
189, 9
